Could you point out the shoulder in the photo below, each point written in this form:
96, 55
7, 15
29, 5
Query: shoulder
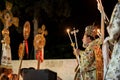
96, 42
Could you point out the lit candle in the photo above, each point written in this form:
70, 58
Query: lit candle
68, 30
98, 33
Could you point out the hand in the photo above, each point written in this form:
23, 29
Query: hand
99, 5
76, 51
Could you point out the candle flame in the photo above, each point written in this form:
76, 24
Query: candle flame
98, 30
68, 30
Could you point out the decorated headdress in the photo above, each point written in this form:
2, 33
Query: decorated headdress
91, 30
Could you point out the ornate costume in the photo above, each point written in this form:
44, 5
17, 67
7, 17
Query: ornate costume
91, 59
113, 68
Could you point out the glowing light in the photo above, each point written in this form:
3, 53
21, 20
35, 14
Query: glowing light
98, 32
68, 30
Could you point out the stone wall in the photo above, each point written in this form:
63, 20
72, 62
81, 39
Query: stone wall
63, 67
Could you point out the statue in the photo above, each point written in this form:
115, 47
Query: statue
6, 50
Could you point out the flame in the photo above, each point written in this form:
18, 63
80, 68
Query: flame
68, 30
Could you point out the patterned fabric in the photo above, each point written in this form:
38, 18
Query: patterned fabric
106, 51
91, 62
114, 25
113, 69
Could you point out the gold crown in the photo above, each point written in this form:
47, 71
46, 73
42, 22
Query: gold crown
91, 30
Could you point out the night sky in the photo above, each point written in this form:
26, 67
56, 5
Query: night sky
82, 13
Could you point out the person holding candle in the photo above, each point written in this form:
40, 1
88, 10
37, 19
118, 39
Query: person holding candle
91, 58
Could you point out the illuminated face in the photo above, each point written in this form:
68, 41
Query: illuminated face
86, 40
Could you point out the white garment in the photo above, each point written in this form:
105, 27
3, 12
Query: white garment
113, 70
105, 51
6, 55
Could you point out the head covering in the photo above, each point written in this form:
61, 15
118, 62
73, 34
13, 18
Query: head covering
91, 30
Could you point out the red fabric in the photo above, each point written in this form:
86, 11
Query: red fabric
26, 46
39, 56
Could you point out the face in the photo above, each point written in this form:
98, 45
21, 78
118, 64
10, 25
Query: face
86, 40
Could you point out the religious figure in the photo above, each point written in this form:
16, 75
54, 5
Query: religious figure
91, 58
6, 50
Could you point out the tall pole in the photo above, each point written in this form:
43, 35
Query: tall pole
76, 44
35, 22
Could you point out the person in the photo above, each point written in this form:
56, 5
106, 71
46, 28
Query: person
91, 63
113, 68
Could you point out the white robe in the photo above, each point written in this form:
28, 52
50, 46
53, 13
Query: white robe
113, 69
6, 55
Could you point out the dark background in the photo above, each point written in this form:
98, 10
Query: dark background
57, 15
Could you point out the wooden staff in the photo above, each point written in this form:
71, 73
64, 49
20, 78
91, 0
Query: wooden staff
26, 32
74, 48
39, 43
77, 56
103, 18
21, 54
39, 57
